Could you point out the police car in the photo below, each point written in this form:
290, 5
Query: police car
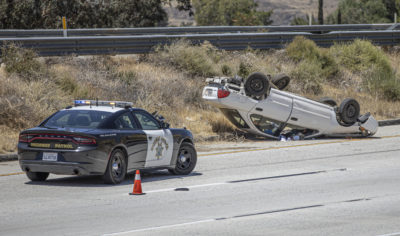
258, 105
108, 138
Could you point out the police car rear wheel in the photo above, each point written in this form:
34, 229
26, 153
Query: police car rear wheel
116, 168
37, 176
186, 160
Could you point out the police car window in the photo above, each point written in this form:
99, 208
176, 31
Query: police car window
125, 121
77, 119
266, 125
147, 121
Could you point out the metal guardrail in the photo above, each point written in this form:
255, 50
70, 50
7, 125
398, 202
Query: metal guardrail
194, 30
58, 46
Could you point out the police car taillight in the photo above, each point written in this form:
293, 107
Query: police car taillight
25, 138
223, 93
84, 140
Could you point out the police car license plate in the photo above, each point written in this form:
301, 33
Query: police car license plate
49, 156
211, 92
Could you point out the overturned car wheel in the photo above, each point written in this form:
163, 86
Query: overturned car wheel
281, 81
256, 84
349, 111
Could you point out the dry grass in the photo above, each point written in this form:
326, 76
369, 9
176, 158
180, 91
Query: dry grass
8, 139
163, 85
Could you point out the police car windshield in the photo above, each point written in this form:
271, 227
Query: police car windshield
77, 119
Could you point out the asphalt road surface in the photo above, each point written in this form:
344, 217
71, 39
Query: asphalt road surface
315, 187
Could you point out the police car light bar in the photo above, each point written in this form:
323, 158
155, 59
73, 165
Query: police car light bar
102, 103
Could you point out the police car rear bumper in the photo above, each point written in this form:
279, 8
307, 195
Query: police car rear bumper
91, 162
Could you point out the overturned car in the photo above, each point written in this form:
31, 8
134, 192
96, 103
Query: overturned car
258, 105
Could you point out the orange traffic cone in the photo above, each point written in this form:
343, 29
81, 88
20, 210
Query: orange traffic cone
137, 185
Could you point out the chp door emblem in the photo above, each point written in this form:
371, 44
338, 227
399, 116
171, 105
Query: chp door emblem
159, 144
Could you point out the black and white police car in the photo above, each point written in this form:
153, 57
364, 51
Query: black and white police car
258, 105
108, 138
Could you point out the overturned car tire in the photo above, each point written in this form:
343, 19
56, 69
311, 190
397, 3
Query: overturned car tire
256, 84
281, 81
349, 111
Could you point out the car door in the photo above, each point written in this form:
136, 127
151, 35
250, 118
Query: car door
311, 114
277, 106
159, 141
133, 138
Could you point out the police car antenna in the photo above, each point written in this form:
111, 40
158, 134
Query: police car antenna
97, 102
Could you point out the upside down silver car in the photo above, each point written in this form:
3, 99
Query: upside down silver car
259, 106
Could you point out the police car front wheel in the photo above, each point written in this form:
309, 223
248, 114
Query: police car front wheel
186, 160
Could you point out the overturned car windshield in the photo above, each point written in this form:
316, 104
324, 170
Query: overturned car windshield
77, 119
234, 117
266, 125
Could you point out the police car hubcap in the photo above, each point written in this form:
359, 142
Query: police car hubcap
184, 159
116, 166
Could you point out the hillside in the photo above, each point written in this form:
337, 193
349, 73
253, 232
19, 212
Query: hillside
284, 11
171, 81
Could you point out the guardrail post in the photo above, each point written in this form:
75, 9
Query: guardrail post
64, 23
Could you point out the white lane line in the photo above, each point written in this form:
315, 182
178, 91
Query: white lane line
392, 234
243, 181
254, 214
159, 227
189, 187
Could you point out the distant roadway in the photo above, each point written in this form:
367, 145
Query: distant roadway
315, 187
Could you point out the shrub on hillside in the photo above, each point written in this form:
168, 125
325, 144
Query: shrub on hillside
372, 64
308, 77
360, 55
302, 49
380, 84
194, 60
22, 61
25, 104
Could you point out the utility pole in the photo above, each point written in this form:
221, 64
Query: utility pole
321, 12
339, 17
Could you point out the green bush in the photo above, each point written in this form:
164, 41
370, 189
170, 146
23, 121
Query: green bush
372, 64
302, 49
194, 60
309, 77
128, 77
244, 69
71, 87
22, 62
360, 55
384, 85
226, 70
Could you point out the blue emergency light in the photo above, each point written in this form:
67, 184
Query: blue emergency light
102, 103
